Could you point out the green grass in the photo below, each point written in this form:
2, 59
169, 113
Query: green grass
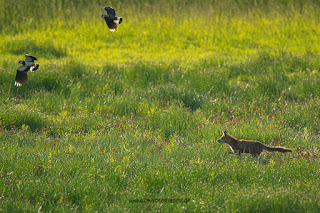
127, 121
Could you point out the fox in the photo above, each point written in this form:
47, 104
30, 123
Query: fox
255, 148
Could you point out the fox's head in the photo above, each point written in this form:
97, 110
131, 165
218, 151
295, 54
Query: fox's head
224, 138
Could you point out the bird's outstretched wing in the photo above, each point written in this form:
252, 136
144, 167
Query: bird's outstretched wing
111, 12
30, 58
21, 76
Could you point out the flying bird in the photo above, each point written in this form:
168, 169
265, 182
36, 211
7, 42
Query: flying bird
111, 18
22, 71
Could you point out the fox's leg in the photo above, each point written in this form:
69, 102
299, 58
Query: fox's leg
234, 153
254, 155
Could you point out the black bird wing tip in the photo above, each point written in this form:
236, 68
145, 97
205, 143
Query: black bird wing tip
110, 11
30, 58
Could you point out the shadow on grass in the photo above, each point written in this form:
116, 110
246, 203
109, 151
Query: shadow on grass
283, 76
56, 78
127, 90
37, 49
170, 93
15, 117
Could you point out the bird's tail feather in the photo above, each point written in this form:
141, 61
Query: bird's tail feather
17, 84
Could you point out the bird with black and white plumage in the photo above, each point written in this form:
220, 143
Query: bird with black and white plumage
111, 19
22, 71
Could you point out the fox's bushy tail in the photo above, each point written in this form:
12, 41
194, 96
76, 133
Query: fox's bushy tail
277, 149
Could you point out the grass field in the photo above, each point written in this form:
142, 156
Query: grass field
127, 121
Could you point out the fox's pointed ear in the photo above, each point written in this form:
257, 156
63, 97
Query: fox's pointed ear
225, 132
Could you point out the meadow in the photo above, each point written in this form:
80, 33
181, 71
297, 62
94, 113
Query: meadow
128, 121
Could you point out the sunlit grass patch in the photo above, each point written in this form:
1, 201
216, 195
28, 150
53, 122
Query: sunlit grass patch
110, 118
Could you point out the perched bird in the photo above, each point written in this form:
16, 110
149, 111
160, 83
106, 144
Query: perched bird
22, 71
111, 18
